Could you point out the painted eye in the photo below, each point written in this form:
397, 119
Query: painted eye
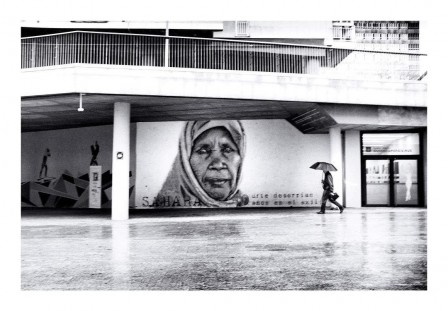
228, 150
203, 150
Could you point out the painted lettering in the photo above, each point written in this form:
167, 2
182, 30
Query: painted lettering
145, 201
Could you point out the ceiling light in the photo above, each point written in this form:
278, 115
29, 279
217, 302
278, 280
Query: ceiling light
80, 109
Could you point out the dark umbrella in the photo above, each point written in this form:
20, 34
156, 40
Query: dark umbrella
324, 166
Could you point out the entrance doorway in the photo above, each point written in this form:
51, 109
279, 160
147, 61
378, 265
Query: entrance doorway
405, 181
391, 169
391, 182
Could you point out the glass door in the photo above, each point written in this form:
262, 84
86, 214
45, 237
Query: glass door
392, 169
377, 182
405, 182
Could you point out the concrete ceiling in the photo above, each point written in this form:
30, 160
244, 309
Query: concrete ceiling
60, 111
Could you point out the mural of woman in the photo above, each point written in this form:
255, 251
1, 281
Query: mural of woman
207, 169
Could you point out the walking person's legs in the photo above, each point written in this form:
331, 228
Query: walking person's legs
341, 208
42, 169
323, 202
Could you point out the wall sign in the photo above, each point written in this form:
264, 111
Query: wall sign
95, 187
390, 144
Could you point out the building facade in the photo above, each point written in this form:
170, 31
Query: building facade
218, 114
379, 35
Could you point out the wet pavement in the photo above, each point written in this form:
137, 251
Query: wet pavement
286, 249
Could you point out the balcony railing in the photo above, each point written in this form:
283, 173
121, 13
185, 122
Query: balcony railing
81, 47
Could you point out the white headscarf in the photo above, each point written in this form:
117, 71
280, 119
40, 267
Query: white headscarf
181, 187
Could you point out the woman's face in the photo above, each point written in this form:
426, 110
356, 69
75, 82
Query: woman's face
215, 161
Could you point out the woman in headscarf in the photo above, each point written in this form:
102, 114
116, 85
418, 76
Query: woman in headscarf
207, 169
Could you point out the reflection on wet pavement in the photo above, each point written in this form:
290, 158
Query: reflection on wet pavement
361, 249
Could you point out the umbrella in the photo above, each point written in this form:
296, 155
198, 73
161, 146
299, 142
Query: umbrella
324, 166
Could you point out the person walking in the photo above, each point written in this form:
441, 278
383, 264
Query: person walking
327, 184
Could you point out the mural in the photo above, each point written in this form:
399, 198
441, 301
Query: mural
195, 164
65, 191
59, 177
207, 169
227, 163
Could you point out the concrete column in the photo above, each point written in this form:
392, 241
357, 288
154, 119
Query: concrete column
167, 46
336, 160
352, 156
121, 161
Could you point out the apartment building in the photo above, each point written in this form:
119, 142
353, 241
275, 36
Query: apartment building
378, 35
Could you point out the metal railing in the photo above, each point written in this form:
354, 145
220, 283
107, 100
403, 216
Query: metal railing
201, 53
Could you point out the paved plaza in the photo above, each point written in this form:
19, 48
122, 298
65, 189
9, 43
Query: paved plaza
249, 249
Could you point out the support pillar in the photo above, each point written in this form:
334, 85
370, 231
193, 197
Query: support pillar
336, 160
352, 151
121, 161
167, 46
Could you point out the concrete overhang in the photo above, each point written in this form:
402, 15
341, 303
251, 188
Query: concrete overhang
379, 115
226, 84
50, 97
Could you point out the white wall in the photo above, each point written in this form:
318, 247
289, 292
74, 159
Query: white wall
277, 161
352, 169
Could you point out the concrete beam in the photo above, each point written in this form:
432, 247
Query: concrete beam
159, 81
377, 115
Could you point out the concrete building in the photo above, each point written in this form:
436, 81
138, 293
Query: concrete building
379, 35
117, 108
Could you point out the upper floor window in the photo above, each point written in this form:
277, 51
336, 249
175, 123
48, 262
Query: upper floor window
242, 29
342, 32
403, 25
413, 25
413, 36
392, 25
